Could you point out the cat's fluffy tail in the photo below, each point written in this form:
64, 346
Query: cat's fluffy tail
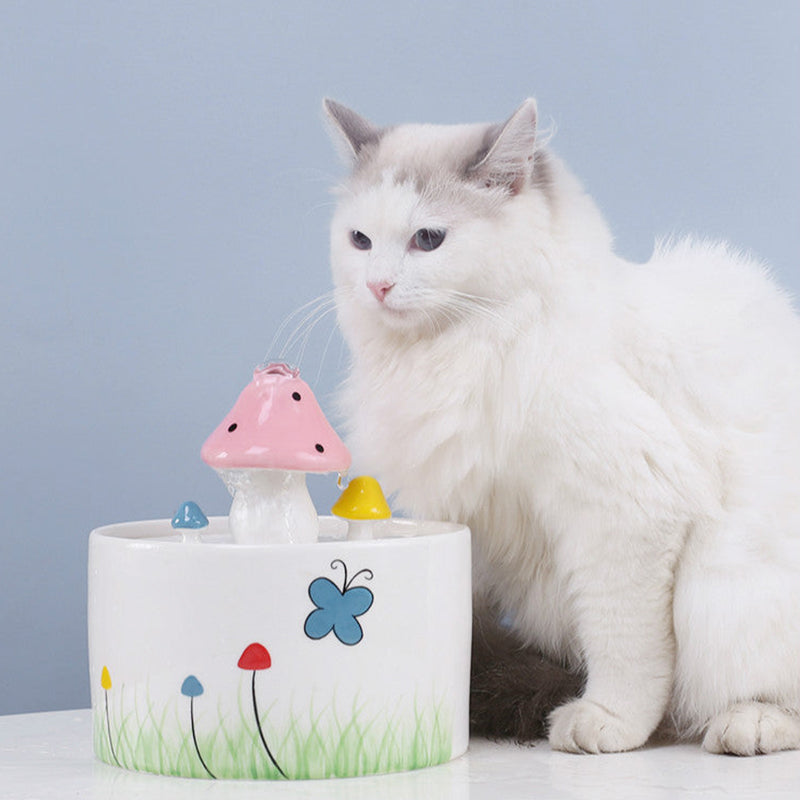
513, 688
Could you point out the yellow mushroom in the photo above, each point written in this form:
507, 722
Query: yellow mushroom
360, 503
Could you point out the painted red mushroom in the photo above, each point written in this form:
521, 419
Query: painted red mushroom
274, 434
255, 658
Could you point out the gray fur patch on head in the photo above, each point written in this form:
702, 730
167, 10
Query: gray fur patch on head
477, 165
419, 152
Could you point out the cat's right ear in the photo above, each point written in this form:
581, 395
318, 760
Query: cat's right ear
350, 131
510, 149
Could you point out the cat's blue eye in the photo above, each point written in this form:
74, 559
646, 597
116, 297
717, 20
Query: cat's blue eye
428, 239
360, 240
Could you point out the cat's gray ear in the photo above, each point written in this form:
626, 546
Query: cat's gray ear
352, 131
509, 150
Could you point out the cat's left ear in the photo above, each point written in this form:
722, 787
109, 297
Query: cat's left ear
510, 150
354, 132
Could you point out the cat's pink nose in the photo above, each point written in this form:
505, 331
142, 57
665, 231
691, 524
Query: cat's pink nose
380, 289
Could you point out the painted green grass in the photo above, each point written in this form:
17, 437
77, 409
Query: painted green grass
314, 743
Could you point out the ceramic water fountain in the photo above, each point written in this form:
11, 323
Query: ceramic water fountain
273, 643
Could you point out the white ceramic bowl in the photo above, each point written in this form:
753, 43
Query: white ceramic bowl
338, 658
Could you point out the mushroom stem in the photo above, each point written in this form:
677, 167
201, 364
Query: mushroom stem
360, 529
270, 506
194, 739
108, 726
261, 731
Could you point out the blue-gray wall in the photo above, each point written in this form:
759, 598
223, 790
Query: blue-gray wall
164, 201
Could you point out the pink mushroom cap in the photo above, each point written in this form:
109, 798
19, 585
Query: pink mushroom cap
276, 424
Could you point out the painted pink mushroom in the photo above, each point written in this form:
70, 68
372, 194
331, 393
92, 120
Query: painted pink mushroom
274, 434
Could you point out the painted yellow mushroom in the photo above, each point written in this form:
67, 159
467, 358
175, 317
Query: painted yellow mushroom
360, 503
105, 678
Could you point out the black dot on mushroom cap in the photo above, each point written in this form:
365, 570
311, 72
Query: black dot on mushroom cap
232, 427
320, 448
296, 396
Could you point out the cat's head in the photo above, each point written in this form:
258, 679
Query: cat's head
435, 222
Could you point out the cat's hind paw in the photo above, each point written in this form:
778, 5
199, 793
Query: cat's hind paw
586, 727
749, 729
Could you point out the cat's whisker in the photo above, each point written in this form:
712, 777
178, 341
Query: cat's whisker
299, 330
303, 329
491, 314
327, 312
325, 351
303, 340
433, 320
322, 204
327, 296
463, 305
479, 300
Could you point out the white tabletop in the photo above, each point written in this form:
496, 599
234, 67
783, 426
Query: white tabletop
49, 755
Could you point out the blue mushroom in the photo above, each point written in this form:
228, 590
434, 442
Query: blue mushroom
189, 515
191, 687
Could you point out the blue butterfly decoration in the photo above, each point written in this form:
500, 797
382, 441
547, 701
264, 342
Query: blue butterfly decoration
336, 609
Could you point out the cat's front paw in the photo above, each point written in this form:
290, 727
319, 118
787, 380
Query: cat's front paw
585, 727
748, 729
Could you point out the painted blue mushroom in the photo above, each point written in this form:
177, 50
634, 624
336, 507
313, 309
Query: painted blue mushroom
191, 688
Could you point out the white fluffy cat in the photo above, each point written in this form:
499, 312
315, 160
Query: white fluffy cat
622, 439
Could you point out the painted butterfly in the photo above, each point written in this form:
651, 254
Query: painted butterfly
336, 609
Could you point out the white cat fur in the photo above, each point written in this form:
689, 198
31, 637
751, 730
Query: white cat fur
622, 439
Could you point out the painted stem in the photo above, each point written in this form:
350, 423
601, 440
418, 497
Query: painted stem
194, 739
108, 728
261, 732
